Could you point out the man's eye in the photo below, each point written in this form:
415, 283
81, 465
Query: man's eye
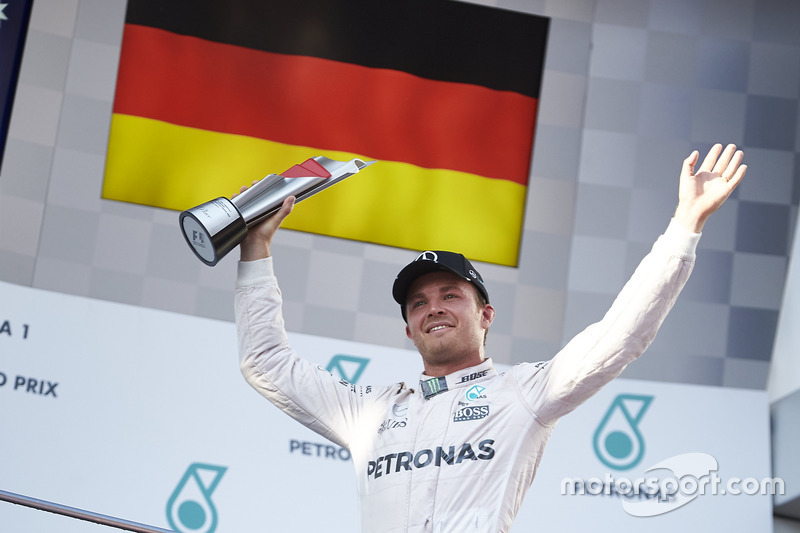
449, 296
417, 304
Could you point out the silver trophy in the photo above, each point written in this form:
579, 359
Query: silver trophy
215, 228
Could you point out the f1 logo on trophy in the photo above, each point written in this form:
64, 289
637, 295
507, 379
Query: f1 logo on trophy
215, 228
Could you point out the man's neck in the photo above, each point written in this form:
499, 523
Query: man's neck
435, 370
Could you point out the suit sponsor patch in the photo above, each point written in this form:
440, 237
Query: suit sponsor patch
472, 412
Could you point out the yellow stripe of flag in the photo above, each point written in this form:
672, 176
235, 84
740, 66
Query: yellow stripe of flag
155, 163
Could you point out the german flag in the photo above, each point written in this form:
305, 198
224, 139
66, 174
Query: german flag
213, 95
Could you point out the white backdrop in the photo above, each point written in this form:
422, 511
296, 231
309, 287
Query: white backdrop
143, 414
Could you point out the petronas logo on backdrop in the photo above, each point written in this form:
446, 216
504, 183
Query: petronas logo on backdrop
190, 508
617, 442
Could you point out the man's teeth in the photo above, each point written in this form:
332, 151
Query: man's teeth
437, 327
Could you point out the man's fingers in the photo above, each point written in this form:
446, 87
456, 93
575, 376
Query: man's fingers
737, 177
736, 160
286, 208
711, 158
724, 159
689, 163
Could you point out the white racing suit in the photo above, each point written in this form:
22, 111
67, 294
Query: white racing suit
456, 453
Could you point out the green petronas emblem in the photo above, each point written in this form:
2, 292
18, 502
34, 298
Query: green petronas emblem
190, 508
617, 441
349, 367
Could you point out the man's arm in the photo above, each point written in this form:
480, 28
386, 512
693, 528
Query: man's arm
603, 350
304, 391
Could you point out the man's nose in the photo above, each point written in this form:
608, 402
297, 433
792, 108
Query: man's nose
435, 309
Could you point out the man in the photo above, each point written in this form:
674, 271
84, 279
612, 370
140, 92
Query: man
459, 452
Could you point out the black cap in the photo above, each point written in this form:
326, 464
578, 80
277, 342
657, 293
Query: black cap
433, 261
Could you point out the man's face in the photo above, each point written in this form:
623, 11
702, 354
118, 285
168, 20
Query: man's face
446, 322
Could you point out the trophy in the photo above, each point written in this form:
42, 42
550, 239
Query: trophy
216, 227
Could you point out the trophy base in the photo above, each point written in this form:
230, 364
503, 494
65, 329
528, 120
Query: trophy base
213, 229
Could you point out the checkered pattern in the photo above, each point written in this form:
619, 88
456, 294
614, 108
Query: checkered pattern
631, 87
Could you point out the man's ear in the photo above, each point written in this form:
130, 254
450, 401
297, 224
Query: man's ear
408, 332
487, 316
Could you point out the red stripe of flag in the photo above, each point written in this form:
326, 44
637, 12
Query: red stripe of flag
299, 100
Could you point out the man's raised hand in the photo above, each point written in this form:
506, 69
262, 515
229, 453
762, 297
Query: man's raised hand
702, 191
256, 245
